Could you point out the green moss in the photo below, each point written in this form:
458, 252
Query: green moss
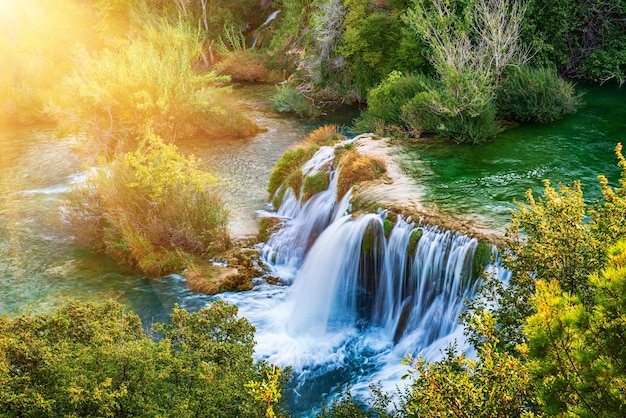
339, 151
288, 166
278, 198
315, 184
267, 226
482, 257
414, 239
387, 227
370, 239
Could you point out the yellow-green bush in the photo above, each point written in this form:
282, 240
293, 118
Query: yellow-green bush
152, 209
148, 82
354, 168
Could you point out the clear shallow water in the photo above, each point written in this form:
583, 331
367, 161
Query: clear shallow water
484, 180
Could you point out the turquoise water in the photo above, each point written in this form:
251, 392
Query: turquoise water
484, 180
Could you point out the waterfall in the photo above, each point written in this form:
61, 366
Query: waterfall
257, 32
359, 294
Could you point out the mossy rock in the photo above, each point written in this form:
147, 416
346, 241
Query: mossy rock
314, 184
267, 227
356, 168
370, 239
414, 239
387, 227
482, 257
289, 166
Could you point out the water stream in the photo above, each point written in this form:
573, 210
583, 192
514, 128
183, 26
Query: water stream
331, 321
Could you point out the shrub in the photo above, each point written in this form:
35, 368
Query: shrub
436, 111
289, 100
355, 168
529, 94
95, 360
324, 135
287, 169
243, 66
151, 210
115, 94
385, 101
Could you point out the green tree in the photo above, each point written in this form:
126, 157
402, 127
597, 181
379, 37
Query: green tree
95, 360
495, 384
577, 350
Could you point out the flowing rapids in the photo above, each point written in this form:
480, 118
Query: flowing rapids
355, 300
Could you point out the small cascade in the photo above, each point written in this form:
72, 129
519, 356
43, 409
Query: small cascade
304, 220
257, 32
362, 294
347, 273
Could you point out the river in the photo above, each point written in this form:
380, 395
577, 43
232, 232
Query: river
40, 267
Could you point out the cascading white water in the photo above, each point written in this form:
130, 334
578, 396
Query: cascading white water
359, 299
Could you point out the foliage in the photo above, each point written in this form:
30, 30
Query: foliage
577, 349
151, 209
470, 45
289, 100
558, 237
288, 169
464, 113
592, 43
314, 184
324, 135
245, 66
322, 64
213, 15
355, 168
116, 94
496, 384
95, 360
268, 391
376, 41
385, 101
529, 94
346, 406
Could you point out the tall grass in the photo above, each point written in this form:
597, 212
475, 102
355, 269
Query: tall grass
150, 82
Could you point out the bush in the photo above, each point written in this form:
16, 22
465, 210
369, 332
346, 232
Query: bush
245, 66
95, 360
355, 168
438, 112
385, 101
324, 135
150, 210
289, 100
115, 94
529, 94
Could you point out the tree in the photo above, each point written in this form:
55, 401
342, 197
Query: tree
577, 350
558, 237
95, 360
469, 47
496, 384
